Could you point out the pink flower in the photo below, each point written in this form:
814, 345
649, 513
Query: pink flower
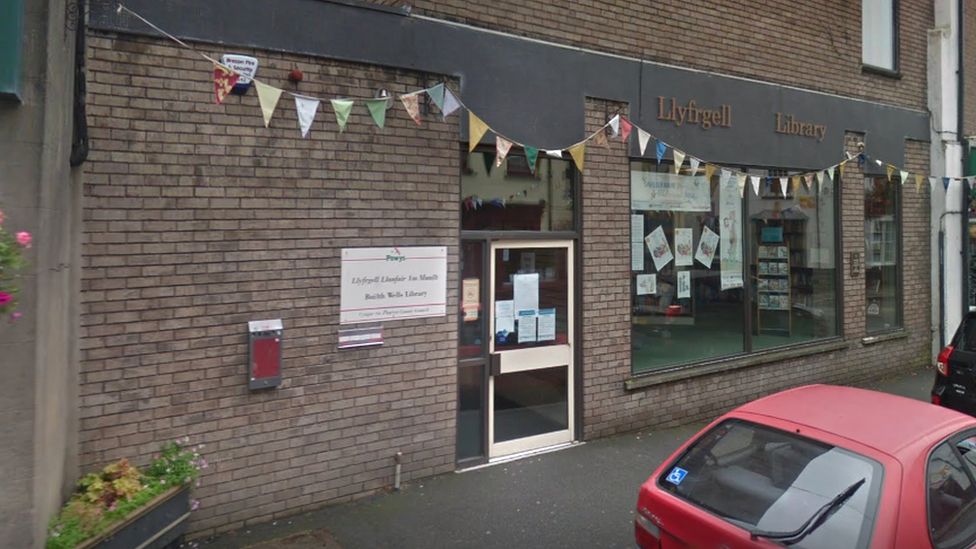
5, 298
16, 315
24, 239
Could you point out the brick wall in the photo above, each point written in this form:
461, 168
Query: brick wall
813, 44
197, 219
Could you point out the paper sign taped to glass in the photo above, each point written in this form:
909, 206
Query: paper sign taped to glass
657, 244
707, 245
668, 191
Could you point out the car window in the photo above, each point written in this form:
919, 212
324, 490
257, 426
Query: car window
966, 336
952, 494
761, 478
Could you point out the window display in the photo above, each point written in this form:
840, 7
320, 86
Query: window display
882, 236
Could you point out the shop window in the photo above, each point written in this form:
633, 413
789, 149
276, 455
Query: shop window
882, 241
514, 197
879, 34
714, 275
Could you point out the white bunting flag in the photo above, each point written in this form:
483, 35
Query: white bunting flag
694, 162
451, 103
740, 182
820, 178
782, 185
904, 176
933, 183
306, 107
268, 98
554, 153
643, 138
615, 125
754, 179
502, 146
679, 160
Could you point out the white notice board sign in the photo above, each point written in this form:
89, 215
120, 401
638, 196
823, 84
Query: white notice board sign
392, 283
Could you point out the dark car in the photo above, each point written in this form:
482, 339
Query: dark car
955, 377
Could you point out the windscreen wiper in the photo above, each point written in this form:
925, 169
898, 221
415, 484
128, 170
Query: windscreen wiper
812, 523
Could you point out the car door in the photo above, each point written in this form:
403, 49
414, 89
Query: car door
960, 392
950, 477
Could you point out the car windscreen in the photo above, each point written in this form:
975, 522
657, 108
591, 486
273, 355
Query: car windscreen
965, 339
768, 480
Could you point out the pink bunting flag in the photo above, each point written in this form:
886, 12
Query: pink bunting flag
411, 102
224, 80
625, 128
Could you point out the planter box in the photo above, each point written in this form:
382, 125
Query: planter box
153, 526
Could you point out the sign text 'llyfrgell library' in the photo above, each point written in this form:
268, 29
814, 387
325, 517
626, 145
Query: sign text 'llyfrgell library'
670, 110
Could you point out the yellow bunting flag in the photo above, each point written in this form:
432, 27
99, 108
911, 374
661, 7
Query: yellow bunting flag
476, 130
918, 182
268, 98
795, 184
679, 160
224, 80
709, 171
891, 170
840, 169
578, 152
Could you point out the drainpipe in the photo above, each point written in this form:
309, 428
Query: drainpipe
960, 128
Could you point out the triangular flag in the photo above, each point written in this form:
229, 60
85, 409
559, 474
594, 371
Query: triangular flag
709, 172
531, 156
808, 181
820, 178
554, 153
827, 178
679, 160
782, 186
723, 178
489, 163
268, 98
601, 139
945, 183
411, 102
890, 169
918, 182
840, 169
693, 163
436, 94
615, 125
224, 80
740, 182
625, 129
578, 152
306, 107
931, 184
795, 183
502, 147
451, 103
476, 130
342, 109
904, 176
377, 109
754, 179
642, 138
662, 148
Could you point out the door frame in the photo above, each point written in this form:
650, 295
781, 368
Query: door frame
568, 353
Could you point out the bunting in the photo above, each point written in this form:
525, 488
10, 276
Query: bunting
578, 152
342, 108
625, 129
740, 182
411, 102
662, 148
601, 139
476, 130
693, 164
709, 171
268, 98
782, 186
615, 125
918, 183
306, 107
224, 80
754, 179
679, 160
643, 138
377, 110
890, 170
502, 146
436, 95
904, 177
554, 153
531, 157
451, 103
808, 182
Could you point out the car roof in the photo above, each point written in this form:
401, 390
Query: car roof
898, 426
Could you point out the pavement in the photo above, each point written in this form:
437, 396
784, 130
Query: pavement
582, 496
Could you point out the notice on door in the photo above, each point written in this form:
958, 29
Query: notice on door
527, 321
392, 283
546, 325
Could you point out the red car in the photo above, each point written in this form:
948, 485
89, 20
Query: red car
818, 467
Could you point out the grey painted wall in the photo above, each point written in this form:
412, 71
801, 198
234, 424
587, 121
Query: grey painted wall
534, 92
39, 193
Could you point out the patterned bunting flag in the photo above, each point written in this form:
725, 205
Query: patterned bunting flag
342, 108
643, 138
795, 184
531, 156
224, 80
890, 170
709, 172
476, 130
808, 181
436, 94
693, 163
601, 139
502, 146
578, 152
679, 160
268, 98
662, 148
554, 153
614, 125
411, 102
451, 103
918, 182
782, 186
754, 179
740, 182
625, 129
820, 178
306, 107
904, 176
377, 109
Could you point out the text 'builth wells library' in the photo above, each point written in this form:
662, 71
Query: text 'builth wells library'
393, 257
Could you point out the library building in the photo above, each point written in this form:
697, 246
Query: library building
441, 261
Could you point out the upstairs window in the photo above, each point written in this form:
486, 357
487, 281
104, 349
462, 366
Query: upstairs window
878, 34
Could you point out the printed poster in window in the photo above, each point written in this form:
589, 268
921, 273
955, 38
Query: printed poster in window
730, 213
684, 284
646, 284
637, 242
470, 298
683, 246
707, 245
657, 244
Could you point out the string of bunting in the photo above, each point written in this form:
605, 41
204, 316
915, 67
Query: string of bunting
449, 102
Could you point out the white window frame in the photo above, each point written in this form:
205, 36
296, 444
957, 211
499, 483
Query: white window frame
879, 34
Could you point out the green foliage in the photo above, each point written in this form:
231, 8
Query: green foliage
12, 262
106, 497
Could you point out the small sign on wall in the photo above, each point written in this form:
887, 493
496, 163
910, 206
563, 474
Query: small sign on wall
392, 283
244, 65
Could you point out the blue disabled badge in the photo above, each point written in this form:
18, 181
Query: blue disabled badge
677, 475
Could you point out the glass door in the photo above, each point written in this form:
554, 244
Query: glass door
530, 387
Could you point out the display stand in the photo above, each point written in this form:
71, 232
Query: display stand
773, 289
